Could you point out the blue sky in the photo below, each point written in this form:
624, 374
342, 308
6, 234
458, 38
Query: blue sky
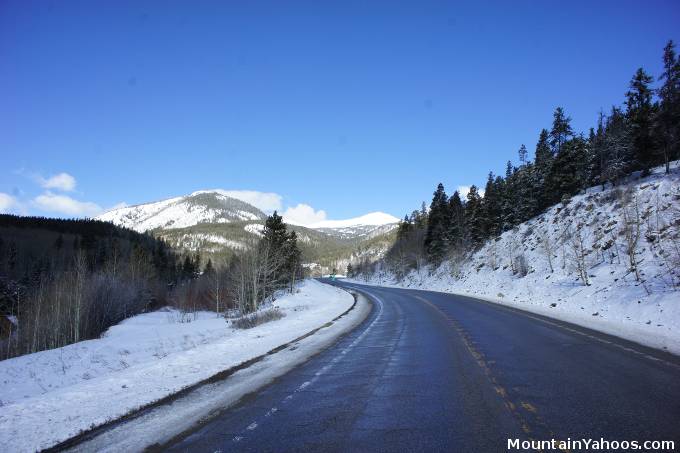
347, 107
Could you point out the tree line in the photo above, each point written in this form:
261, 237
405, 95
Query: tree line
64, 281
643, 134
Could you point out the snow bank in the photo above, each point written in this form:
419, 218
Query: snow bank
615, 302
50, 396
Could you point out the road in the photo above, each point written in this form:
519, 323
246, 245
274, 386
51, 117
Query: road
428, 371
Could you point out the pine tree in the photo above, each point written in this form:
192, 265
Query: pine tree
561, 130
292, 269
667, 124
274, 232
597, 151
437, 226
544, 162
569, 173
474, 218
283, 257
404, 228
640, 111
523, 155
526, 200
456, 222
188, 270
492, 203
508, 212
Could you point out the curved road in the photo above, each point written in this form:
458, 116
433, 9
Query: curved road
429, 371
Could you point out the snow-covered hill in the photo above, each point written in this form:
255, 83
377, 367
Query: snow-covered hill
213, 222
364, 227
370, 219
608, 260
180, 212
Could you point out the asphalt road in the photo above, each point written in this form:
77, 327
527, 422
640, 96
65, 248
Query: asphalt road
429, 372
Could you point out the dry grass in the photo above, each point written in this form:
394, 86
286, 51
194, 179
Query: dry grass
255, 319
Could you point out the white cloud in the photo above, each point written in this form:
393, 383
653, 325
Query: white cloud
7, 202
64, 204
303, 214
464, 190
265, 201
61, 181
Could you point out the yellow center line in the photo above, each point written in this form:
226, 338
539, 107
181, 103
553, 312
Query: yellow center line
500, 390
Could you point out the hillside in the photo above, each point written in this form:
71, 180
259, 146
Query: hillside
181, 212
607, 259
64, 281
217, 225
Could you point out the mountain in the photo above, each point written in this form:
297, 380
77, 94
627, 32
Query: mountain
212, 222
180, 212
364, 227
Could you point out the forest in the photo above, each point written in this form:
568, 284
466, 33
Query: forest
64, 281
642, 134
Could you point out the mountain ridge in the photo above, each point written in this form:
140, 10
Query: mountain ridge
214, 223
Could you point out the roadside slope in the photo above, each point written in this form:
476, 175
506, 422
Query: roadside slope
53, 395
574, 263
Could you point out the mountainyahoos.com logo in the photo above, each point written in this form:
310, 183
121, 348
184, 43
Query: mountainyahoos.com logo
590, 444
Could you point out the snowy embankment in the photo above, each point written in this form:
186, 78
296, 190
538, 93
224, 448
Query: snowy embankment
50, 396
587, 238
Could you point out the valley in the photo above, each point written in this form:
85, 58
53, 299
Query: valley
217, 226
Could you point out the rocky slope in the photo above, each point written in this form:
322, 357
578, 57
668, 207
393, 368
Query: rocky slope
607, 259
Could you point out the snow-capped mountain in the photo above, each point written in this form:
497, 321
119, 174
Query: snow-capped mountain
364, 227
204, 206
213, 222
370, 219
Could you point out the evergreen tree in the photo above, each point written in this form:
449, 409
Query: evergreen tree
667, 124
274, 233
188, 270
492, 203
283, 258
597, 151
639, 112
569, 173
544, 161
523, 155
456, 222
405, 227
437, 226
561, 130
292, 269
474, 217
526, 201
508, 212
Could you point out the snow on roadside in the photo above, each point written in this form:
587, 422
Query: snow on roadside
614, 302
52, 395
